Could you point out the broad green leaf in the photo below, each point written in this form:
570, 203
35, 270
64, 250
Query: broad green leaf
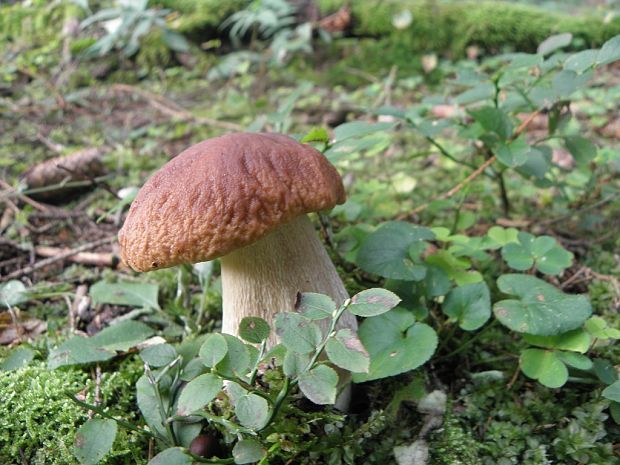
316, 135
544, 366
581, 61
319, 384
540, 308
503, 236
373, 302
578, 361
198, 393
297, 333
582, 149
17, 358
612, 392
13, 293
482, 91
133, 294
359, 129
576, 340
94, 440
470, 305
395, 343
247, 451
345, 350
538, 163
77, 350
252, 411
614, 410
213, 349
609, 52
254, 329
513, 153
122, 336
237, 359
517, 256
387, 251
604, 371
315, 306
158, 355
175, 41
436, 282
555, 42
493, 120
172, 456
294, 363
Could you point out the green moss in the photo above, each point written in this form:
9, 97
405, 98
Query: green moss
452, 26
38, 422
451, 445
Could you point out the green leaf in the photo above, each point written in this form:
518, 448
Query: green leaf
175, 41
387, 251
213, 349
614, 410
503, 236
482, 91
612, 392
493, 120
373, 302
316, 135
470, 305
576, 340
544, 366
581, 61
19, 357
555, 42
254, 329
13, 293
122, 336
345, 350
247, 451
599, 328
252, 411
609, 52
436, 282
297, 332
171, 456
315, 306
158, 355
198, 393
237, 359
294, 363
578, 361
77, 350
582, 149
396, 344
132, 294
513, 153
544, 252
605, 371
541, 309
319, 384
94, 440
359, 129
148, 404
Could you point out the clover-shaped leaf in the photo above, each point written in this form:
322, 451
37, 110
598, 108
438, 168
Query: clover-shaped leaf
254, 329
540, 308
319, 384
315, 306
470, 305
373, 302
393, 251
346, 350
576, 340
544, 252
544, 366
297, 332
396, 344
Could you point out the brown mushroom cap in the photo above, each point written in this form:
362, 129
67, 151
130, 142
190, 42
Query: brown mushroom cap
222, 194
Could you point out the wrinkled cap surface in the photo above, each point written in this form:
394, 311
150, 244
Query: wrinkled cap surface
222, 194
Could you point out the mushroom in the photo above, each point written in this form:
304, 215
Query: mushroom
244, 198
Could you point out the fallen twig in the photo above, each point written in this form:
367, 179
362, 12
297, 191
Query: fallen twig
62, 256
170, 108
23, 198
83, 258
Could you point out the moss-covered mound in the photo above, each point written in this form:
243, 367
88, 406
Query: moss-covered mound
38, 421
452, 26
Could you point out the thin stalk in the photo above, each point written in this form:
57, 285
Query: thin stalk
162, 410
467, 343
100, 411
261, 353
503, 194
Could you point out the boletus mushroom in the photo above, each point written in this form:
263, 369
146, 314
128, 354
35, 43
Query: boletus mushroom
242, 197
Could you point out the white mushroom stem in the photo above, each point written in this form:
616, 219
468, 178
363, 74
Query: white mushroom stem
264, 278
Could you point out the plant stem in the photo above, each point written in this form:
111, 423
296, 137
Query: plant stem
504, 194
261, 353
162, 410
99, 410
467, 343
